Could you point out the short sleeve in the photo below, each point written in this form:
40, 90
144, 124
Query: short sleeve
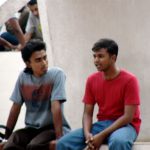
58, 91
16, 95
132, 94
88, 95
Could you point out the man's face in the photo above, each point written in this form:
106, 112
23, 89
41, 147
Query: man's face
103, 60
34, 10
38, 63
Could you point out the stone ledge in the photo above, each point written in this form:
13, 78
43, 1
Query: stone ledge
136, 146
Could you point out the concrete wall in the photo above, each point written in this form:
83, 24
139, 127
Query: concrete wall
70, 28
74, 25
10, 66
9, 8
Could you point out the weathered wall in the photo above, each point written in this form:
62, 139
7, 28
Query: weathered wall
10, 66
76, 24
9, 8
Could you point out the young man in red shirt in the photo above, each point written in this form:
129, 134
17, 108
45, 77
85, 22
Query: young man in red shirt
116, 92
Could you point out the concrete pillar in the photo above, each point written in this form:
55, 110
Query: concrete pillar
9, 8
45, 24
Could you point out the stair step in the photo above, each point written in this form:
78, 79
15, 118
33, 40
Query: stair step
136, 146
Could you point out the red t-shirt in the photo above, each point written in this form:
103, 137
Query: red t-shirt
111, 96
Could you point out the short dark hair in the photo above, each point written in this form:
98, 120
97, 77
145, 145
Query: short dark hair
32, 2
31, 47
109, 44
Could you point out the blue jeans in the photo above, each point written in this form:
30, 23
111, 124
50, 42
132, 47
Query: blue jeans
121, 139
10, 38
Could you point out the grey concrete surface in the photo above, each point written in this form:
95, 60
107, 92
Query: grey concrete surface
10, 66
9, 8
136, 146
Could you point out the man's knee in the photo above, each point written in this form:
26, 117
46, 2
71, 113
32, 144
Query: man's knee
120, 143
36, 146
12, 142
31, 147
1, 146
52, 145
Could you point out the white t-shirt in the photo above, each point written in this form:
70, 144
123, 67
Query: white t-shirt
34, 26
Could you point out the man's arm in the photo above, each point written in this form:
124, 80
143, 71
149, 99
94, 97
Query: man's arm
7, 44
28, 36
29, 28
125, 119
13, 117
57, 117
87, 120
18, 32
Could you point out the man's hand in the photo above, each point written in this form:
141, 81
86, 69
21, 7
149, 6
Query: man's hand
95, 142
89, 139
52, 145
57, 118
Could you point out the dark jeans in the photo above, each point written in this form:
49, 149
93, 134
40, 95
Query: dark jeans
30, 139
10, 38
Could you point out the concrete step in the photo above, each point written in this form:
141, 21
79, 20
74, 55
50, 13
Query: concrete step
136, 146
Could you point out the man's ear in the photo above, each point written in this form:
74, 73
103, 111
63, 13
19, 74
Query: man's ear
28, 64
114, 57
